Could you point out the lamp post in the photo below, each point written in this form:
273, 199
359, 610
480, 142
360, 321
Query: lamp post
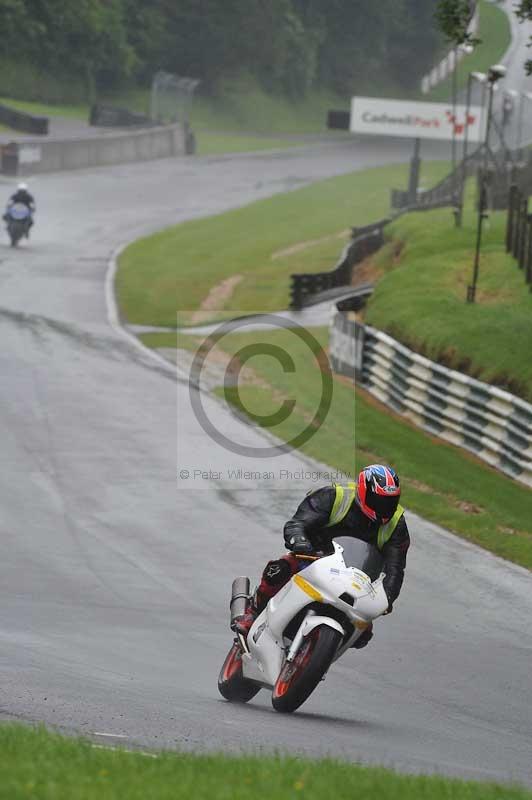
519, 129
457, 200
506, 119
482, 78
495, 73
453, 146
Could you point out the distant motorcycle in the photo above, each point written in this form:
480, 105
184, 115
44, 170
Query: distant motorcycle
311, 622
18, 219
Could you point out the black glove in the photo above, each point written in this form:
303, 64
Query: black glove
298, 543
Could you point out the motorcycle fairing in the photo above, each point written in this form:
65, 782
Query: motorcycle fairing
324, 580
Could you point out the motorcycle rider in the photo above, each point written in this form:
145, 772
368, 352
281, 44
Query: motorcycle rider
23, 196
368, 509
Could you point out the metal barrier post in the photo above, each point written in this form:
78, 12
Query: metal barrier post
528, 262
295, 292
521, 223
517, 225
512, 198
524, 234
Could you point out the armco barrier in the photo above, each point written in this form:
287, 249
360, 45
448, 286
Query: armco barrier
103, 116
53, 155
493, 424
20, 121
365, 241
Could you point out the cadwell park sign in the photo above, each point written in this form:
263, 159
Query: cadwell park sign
405, 118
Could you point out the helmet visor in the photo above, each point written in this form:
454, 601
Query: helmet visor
384, 506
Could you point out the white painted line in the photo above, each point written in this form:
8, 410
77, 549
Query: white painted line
113, 317
113, 735
124, 750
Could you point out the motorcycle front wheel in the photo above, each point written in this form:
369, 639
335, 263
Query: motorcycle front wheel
231, 683
298, 678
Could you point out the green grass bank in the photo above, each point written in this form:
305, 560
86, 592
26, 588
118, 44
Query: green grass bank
39, 765
256, 248
420, 297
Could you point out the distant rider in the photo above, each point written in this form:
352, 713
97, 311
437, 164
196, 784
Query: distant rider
23, 196
368, 510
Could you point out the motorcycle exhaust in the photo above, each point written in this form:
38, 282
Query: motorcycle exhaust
240, 597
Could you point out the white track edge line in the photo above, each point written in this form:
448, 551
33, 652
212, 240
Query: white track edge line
124, 750
113, 316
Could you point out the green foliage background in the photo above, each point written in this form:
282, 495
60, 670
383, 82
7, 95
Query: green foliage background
64, 51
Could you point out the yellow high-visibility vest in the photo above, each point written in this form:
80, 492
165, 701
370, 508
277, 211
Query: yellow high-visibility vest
345, 497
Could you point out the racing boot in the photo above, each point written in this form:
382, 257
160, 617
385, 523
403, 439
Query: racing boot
364, 638
256, 605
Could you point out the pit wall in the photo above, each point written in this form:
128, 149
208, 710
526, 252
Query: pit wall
33, 156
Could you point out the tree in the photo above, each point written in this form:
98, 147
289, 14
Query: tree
524, 12
288, 46
453, 17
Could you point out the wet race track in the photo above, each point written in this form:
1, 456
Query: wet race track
114, 579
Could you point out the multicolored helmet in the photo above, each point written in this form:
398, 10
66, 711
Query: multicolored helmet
378, 492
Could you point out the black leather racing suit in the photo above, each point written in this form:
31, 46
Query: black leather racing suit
24, 197
312, 516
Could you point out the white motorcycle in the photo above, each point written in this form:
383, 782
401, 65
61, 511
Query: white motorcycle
310, 623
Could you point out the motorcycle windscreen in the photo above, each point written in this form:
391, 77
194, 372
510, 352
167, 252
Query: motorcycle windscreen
361, 555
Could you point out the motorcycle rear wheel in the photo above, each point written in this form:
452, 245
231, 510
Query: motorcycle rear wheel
298, 678
15, 234
231, 683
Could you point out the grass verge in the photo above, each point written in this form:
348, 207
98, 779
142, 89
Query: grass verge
210, 143
43, 765
243, 108
80, 111
421, 299
263, 243
495, 35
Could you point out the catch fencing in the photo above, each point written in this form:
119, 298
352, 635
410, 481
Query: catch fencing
490, 422
519, 231
171, 96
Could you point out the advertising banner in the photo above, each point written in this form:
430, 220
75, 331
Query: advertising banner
415, 120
